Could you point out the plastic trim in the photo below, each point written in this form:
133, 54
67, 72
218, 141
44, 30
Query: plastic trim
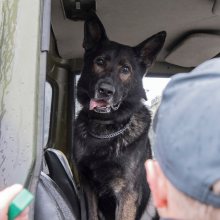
45, 28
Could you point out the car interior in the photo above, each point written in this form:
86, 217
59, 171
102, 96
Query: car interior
193, 31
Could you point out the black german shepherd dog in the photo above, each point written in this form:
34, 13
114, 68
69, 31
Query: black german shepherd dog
111, 131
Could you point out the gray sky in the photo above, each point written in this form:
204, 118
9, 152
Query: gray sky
155, 87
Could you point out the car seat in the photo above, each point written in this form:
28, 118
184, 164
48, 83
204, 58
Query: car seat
57, 196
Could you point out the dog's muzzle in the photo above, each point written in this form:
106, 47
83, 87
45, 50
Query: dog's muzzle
102, 106
106, 90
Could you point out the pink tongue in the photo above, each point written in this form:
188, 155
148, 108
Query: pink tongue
94, 103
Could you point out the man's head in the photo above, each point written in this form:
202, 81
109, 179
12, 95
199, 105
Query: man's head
172, 203
185, 179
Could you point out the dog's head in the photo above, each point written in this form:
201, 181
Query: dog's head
111, 80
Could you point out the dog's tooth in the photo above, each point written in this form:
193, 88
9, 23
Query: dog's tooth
107, 105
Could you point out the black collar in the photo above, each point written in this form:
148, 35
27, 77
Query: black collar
113, 134
102, 122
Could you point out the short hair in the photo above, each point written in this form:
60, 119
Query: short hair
189, 208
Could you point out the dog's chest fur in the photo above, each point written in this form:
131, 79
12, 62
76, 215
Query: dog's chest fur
111, 163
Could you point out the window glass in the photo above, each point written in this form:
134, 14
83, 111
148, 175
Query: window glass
77, 105
154, 89
47, 110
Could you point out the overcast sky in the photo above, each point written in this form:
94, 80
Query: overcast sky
155, 87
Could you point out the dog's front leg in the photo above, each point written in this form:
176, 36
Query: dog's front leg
90, 200
127, 206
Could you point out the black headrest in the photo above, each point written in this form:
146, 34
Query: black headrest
61, 174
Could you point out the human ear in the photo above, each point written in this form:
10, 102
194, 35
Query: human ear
157, 183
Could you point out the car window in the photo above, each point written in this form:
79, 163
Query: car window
77, 105
154, 87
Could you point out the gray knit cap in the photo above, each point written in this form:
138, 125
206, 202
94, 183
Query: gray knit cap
187, 142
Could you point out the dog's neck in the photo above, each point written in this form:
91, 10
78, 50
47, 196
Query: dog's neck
103, 122
114, 122
114, 134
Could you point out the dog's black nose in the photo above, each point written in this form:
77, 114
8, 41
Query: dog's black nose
106, 90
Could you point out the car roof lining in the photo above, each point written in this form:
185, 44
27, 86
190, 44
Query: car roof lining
131, 22
194, 50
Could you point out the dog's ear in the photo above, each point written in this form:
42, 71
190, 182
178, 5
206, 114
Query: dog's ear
94, 31
150, 48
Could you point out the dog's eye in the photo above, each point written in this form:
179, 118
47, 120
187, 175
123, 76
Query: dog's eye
100, 62
125, 69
